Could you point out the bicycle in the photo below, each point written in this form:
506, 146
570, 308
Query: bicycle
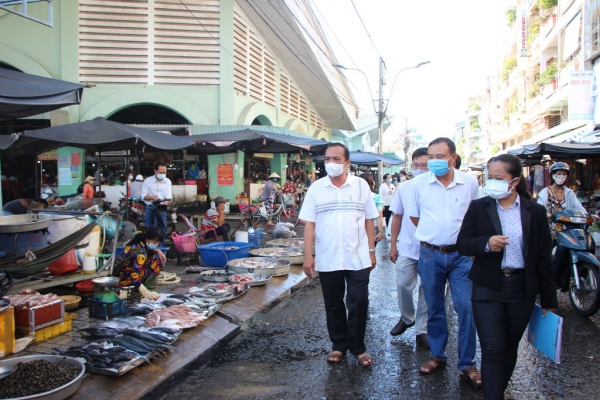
283, 213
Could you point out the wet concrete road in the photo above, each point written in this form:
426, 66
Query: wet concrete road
283, 357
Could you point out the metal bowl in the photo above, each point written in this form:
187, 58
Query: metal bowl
24, 223
107, 281
248, 265
59, 393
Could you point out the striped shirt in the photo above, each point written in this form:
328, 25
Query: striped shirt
209, 220
339, 215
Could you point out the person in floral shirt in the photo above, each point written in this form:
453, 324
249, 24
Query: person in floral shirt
291, 188
141, 258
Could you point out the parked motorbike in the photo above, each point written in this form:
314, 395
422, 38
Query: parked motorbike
576, 268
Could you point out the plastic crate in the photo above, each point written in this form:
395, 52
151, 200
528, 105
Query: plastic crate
7, 331
50, 331
103, 310
217, 255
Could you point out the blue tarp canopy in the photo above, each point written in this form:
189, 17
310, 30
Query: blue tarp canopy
367, 158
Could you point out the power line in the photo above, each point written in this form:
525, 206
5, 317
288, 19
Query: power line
363, 24
297, 57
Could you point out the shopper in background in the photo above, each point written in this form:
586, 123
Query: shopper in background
507, 235
136, 187
269, 192
157, 188
558, 197
386, 191
214, 218
378, 204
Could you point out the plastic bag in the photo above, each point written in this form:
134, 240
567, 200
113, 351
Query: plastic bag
284, 230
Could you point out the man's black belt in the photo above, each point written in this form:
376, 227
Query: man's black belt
512, 271
441, 249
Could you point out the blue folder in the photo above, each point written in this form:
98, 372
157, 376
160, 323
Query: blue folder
545, 334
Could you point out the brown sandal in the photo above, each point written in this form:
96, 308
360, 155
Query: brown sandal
365, 359
432, 365
335, 357
472, 376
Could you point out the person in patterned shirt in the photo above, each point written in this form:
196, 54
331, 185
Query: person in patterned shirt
142, 259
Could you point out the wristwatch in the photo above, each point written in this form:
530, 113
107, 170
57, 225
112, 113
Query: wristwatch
372, 251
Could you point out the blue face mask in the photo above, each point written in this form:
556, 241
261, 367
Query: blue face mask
438, 167
417, 172
161, 177
152, 246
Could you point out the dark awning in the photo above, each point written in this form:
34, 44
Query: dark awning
100, 134
558, 150
253, 141
367, 158
23, 95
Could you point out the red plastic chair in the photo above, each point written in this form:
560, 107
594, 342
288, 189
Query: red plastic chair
200, 233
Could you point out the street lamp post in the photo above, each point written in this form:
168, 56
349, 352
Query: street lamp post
381, 112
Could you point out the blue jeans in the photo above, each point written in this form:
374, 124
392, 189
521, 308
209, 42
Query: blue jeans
435, 269
158, 219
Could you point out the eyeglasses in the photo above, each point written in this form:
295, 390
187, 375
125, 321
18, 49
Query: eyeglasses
420, 165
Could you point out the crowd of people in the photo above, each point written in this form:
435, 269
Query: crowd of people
490, 248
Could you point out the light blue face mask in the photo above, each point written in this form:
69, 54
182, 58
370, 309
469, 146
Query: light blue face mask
438, 167
152, 246
417, 172
161, 177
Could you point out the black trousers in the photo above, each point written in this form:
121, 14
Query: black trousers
386, 214
221, 230
346, 331
500, 318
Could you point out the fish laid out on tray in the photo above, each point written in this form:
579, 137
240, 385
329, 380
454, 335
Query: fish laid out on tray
210, 294
176, 317
215, 275
286, 242
258, 263
250, 279
101, 355
276, 252
260, 266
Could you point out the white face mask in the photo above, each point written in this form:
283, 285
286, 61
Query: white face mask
334, 170
559, 179
417, 172
402, 178
497, 189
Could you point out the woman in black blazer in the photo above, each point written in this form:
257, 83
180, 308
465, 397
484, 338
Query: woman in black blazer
509, 239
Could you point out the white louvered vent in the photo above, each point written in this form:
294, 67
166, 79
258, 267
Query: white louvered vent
240, 54
113, 41
162, 42
186, 47
284, 92
255, 63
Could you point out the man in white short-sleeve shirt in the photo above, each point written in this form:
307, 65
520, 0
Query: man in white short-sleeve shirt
440, 201
338, 211
404, 251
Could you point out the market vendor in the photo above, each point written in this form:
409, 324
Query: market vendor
88, 187
23, 206
142, 261
214, 218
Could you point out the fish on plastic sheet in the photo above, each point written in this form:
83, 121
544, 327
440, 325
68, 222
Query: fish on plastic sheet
101, 355
124, 322
150, 337
140, 309
99, 332
178, 316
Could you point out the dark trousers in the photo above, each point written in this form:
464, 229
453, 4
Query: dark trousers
501, 318
158, 219
386, 214
346, 331
222, 230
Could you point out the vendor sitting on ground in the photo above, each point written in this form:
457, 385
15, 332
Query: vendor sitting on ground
214, 218
142, 261
23, 206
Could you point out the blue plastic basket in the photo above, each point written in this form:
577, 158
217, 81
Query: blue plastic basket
217, 254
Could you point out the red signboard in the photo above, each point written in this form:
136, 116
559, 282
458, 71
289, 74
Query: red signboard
225, 174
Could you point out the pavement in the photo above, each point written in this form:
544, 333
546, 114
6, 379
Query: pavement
195, 347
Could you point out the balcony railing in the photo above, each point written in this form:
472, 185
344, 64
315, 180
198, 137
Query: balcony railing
565, 74
548, 89
549, 25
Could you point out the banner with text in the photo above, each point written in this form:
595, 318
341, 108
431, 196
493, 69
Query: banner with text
581, 95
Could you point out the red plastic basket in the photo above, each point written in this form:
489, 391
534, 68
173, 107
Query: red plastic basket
185, 243
65, 264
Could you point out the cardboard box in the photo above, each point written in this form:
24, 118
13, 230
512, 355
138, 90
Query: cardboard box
38, 317
7, 331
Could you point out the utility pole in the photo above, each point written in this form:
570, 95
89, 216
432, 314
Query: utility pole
380, 118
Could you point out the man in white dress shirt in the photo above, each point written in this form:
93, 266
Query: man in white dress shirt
157, 188
404, 252
338, 211
440, 201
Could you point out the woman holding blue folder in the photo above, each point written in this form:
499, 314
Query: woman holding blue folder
508, 236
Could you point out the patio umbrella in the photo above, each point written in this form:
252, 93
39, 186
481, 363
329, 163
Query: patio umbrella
23, 95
